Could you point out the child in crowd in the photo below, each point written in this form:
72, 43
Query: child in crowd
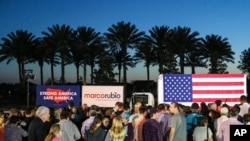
54, 133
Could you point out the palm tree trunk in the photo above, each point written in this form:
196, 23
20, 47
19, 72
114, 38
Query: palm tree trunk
84, 73
193, 69
21, 74
77, 74
148, 73
124, 53
119, 71
52, 72
92, 71
182, 64
62, 70
41, 73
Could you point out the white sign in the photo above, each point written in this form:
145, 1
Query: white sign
102, 96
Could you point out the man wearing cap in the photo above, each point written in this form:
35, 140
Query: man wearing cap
224, 131
152, 131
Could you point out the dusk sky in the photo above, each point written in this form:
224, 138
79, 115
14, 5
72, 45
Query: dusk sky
226, 18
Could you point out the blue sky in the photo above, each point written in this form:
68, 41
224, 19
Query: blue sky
227, 18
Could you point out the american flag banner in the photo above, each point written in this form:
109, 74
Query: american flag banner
188, 88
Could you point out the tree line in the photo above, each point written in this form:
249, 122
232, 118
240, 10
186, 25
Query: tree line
171, 49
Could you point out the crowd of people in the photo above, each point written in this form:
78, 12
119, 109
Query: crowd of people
164, 122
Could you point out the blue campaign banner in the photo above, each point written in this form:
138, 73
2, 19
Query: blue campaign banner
58, 95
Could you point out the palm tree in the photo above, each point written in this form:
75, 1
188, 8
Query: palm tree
159, 37
40, 55
18, 45
195, 58
145, 52
76, 58
183, 42
244, 63
123, 36
89, 41
62, 36
48, 44
95, 51
216, 50
117, 55
104, 74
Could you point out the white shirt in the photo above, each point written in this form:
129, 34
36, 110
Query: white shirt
244, 109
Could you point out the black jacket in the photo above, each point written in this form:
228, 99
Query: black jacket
37, 130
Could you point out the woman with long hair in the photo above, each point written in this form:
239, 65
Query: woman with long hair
117, 132
54, 133
96, 132
2, 121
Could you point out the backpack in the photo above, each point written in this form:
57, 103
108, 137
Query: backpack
191, 124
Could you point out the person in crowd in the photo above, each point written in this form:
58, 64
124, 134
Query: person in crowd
87, 123
21, 113
224, 132
96, 132
83, 112
212, 116
55, 133
223, 117
138, 123
164, 119
228, 108
99, 111
244, 106
118, 109
152, 130
2, 120
204, 109
126, 108
71, 105
37, 129
76, 113
202, 132
72, 117
12, 112
70, 131
12, 131
192, 119
148, 109
212, 106
108, 112
27, 120
187, 110
178, 124
57, 113
167, 106
246, 119
218, 103
117, 132
106, 123
128, 126
135, 111
248, 110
